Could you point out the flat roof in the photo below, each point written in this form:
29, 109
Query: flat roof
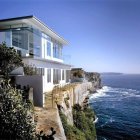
32, 20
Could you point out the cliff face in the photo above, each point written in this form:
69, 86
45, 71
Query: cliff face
74, 94
64, 98
94, 78
77, 93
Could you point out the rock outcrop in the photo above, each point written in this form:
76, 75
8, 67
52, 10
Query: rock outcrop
95, 79
64, 98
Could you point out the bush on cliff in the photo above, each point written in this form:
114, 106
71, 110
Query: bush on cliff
15, 116
83, 120
71, 132
83, 128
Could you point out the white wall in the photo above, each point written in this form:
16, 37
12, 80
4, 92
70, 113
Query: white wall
40, 85
47, 86
45, 63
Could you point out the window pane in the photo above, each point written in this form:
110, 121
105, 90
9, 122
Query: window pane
56, 76
48, 49
63, 75
19, 38
67, 75
48, 75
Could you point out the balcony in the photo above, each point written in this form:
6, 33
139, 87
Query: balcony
67, 59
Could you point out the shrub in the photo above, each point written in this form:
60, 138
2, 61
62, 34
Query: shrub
71, 132
83, 128
9, 60
83, 120
15, 117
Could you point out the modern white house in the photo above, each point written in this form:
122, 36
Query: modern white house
40, 47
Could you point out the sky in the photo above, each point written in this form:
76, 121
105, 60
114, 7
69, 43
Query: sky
103, 35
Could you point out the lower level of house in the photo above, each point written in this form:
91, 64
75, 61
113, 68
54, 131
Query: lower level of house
49, 74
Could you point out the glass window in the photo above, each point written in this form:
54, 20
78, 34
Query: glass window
19, 38
56, 76
5, 36
63, 74
48, 75
8, 38
57, 50
46, 36
60, 51
48, 48
34, 42
54, 50
39, 71
67, 75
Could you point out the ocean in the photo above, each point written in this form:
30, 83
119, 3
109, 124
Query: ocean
117, 106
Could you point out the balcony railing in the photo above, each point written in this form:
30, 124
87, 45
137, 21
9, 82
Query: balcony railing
67, 59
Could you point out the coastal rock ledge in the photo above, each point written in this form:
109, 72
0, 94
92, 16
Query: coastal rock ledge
62, 99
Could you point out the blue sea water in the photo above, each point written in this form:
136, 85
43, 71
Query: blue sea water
117, 106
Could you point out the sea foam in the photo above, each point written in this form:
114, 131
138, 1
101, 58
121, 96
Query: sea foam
100, 92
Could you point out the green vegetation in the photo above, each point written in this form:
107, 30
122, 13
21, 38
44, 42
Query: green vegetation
71, 132
83, 128
30, 70
9, 60
16, 110
15, 115
78, 74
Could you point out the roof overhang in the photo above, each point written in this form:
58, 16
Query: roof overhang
32, 21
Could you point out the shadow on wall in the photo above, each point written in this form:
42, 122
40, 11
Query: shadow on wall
36, 82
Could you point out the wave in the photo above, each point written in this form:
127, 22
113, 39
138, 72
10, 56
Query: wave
122, 92
100, 92
96, 120
108, 121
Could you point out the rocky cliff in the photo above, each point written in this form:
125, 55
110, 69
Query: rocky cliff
95, 79
62, 99
76, 93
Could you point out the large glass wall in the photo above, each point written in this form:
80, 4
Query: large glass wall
48, 48
56, 76
5, 36
20, 38
57, 50
27, 39
34, 42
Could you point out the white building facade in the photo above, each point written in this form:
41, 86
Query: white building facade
39, 47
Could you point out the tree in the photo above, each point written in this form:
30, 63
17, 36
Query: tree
9, 60
15, 115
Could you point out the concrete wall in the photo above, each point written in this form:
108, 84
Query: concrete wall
18, 71
36, 83
46, 63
